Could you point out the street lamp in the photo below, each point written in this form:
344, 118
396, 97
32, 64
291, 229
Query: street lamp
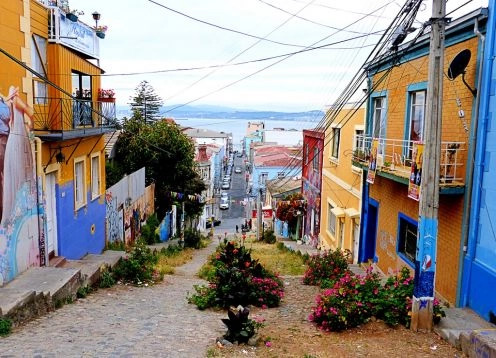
96, 17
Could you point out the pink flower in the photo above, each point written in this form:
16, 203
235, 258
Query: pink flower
268, 344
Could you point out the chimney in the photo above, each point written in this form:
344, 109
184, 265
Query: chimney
202, 153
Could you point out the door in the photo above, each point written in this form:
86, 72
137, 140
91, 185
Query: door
356, 240
370, 234
51, 213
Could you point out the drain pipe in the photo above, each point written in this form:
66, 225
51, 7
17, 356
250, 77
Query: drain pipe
464, 250
39, 199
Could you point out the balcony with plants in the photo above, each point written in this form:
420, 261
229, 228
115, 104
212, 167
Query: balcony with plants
73, 117
394, 161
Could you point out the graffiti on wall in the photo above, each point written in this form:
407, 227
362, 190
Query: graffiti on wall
19, 233
113, 219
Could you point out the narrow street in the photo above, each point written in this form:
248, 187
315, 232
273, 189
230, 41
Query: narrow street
125, 321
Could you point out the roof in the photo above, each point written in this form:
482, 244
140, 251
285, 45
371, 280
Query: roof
283, 187
203, 133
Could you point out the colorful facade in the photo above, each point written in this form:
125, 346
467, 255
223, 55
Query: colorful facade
311, 178
478, 271
391, 155
341, 182
52, 146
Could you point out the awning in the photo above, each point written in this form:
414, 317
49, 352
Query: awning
352, 213
338, 212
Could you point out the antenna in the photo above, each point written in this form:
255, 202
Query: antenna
457, 67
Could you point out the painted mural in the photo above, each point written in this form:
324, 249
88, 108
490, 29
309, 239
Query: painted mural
20, 238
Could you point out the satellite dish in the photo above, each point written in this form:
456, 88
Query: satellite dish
459, 64
457, 67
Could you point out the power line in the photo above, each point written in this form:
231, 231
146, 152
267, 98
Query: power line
224, 28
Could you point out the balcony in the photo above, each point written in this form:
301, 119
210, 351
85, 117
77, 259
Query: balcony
66, 118
394, 161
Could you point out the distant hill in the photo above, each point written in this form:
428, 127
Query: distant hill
211, 111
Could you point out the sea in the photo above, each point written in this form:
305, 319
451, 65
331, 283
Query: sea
238, 126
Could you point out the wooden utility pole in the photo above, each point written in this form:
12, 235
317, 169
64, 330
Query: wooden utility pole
425, 264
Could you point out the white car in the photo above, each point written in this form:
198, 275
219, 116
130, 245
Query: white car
224, 203
237, 170
224, 195
225, 185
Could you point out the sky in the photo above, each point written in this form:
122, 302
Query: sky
162, 35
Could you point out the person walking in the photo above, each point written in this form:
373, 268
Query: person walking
237, 229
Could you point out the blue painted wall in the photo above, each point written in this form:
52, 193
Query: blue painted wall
479, 263
81, 232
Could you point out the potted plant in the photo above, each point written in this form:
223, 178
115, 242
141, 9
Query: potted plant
100, 31
74, 14
106, 95
451, 156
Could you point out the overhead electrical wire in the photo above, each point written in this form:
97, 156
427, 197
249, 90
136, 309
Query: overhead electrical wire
224, 28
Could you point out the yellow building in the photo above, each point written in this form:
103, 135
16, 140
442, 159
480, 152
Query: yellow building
53, 185
391, 154
341, 182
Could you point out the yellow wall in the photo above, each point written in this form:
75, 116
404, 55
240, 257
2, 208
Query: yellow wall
392, 196
341, 183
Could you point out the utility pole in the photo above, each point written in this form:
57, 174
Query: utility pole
425, 263
259, 211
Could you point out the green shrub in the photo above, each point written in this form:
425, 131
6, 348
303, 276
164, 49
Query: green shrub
192, 238
107, 280
138, 266
83, 291
5, 326
269, 237
171, 250
149, 231
330, 265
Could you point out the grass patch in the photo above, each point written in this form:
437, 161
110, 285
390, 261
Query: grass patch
169, 260
285, 262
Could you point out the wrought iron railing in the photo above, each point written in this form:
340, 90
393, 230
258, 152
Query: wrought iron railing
395, 157
67, 114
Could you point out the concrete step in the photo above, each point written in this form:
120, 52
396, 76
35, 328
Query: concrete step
57, 261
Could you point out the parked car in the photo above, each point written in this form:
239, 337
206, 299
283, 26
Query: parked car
225, 185
237, 170
224, 194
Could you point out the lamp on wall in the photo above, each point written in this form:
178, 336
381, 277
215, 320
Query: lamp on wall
60, 157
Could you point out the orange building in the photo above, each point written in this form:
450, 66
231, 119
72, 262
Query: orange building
341, 182
54, 122
391, 155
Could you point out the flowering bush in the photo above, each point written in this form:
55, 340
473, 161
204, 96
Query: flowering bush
236, 279
330, 265
240, 328
348, 303
354, 299
106, 93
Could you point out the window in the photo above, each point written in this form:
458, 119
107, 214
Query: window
407, 240
95, 176
359, 140
331, 220
306, 153
336, 132
281, 175
38, 56
81, 85
417, 115
379, 122
315, 159
79, 183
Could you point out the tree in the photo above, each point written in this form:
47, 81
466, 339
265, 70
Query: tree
168, 157
146, 103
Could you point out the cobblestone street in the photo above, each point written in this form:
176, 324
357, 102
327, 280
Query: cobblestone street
125, 321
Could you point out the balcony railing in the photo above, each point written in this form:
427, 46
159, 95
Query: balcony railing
56, 115
394, 158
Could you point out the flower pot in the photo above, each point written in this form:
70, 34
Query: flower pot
100, 34
72, 17
106, 99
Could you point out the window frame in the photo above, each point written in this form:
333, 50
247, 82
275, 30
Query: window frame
331, 228
403, 223
315, 159
412, 91
379, 119
82, 186
96, 191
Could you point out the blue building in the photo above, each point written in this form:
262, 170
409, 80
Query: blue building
479, 262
